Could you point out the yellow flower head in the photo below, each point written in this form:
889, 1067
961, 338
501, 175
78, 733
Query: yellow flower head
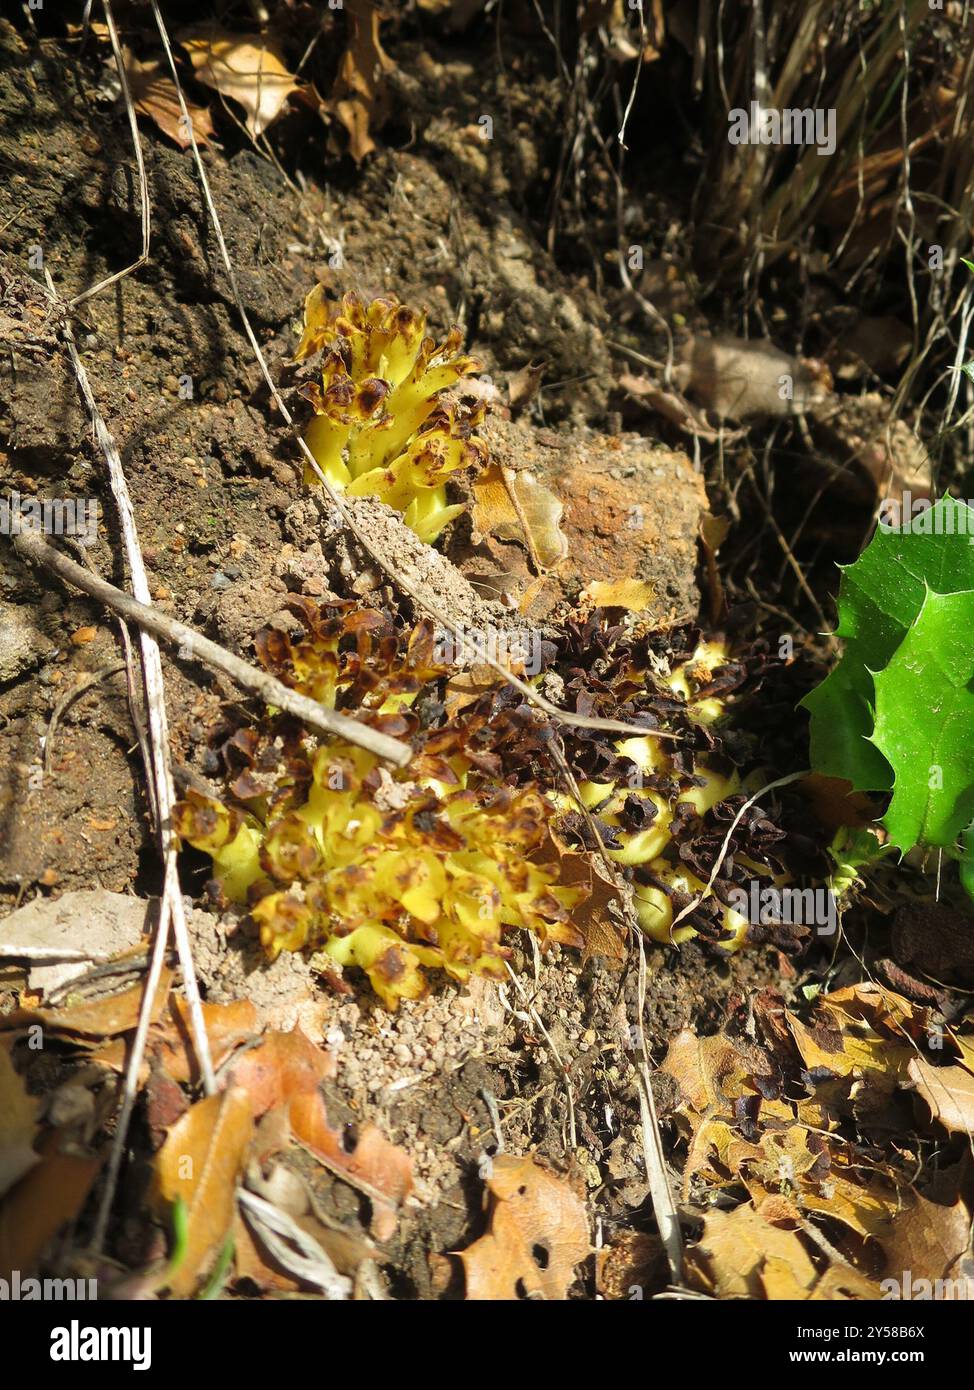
379, 428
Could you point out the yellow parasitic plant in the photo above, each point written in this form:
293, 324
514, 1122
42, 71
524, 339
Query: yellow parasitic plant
391, 872
380, 428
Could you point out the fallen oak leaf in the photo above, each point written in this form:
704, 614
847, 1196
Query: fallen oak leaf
929, 1240
756, 1252
154, 95
358, 96
227, 1026
862, 1034
948, 1093
117, 1013
372, 1164
538, 1233
50, 1195
282, 1066
601, 933
201, 1162
246, 68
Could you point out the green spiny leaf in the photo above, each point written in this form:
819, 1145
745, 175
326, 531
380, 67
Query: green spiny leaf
879, 598
925, 724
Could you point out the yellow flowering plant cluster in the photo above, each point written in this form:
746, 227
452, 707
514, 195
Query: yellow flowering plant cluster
380, 428
429, 867
654, 802
641, 813
391, 872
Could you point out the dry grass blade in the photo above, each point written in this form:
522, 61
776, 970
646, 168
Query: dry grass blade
293, 1249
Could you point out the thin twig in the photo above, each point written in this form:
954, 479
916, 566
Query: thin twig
159, 775
30, 545
68, 699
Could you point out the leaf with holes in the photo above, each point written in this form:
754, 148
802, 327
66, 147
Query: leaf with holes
538, 1234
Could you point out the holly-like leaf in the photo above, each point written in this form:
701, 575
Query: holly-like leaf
879, 599
925, 724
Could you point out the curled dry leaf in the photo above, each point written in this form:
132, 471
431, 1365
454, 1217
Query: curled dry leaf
201, 1162
18, 1124
154, 95
246, 68
371, 1164
291, 1194
538, 1234
515, 507
102, 1018
358, 97
635, 595
713, 532
523, 385
283, 1066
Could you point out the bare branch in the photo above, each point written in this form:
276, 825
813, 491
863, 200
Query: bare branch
32, 548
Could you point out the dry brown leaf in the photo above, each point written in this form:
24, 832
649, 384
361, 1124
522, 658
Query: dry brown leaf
927, 1239
713, 533
290, 1193
227, 1026
715, 1071
154, 95
467, 686
515, 507
358, 97
372, 1164
102, 1018
246, 68
836, 804
599, 931
523, 385
632, 594
538, 1234
948, 1093
18, 1124
201, 1162
862, 1033
45, 1199
283, 1066
755, 1253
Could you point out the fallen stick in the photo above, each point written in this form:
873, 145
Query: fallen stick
36, 551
